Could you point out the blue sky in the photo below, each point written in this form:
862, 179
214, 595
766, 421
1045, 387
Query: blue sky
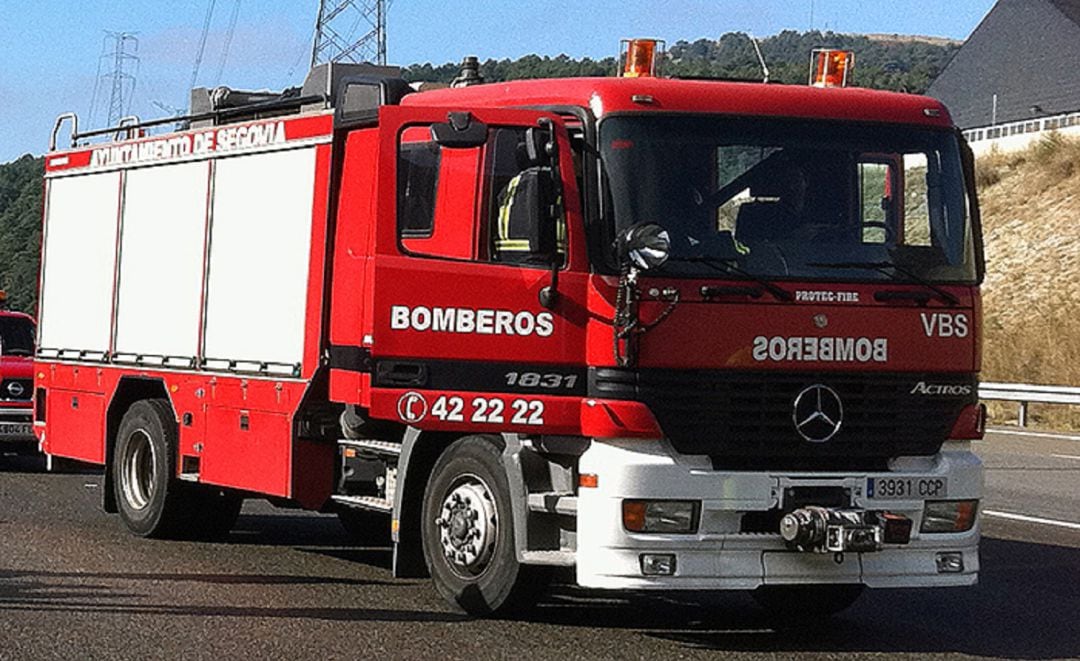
50, 49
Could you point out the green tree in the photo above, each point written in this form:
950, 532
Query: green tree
898, 64
20, 230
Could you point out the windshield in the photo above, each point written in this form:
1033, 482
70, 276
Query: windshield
16, 336
792, 199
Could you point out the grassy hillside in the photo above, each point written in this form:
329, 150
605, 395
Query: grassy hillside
1031, 217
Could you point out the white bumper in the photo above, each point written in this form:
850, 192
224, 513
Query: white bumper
719, 557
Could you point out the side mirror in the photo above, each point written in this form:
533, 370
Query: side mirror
644, 247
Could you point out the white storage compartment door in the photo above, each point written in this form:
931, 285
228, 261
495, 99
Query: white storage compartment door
161, 263
79, 264
260, 243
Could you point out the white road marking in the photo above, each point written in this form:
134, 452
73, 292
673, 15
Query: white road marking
1032, 519
1065, 456
1013, 432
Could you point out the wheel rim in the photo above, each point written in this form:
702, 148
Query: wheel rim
138, 471
468, 526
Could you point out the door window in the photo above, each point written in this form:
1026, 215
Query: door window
436, 203
491, 203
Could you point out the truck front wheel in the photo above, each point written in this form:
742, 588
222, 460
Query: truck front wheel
468, 531
147, 495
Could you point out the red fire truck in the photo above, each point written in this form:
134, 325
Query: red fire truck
674, 334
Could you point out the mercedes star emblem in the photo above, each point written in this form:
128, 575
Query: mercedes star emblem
818, 413
821, 321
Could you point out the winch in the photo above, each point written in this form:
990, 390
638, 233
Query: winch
827, 530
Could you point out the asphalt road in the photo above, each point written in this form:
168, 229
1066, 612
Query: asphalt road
74, 585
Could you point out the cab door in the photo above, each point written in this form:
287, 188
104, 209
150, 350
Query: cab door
466, 334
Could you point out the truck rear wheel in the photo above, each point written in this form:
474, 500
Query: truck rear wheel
468, 531
807, 602
149, 497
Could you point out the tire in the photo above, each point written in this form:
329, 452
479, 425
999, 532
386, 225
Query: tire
366, 527
802, 603
148, 496
467, 514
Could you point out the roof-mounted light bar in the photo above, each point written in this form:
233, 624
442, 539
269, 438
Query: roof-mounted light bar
640, 58
831, 68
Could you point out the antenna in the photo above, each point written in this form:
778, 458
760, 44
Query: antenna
761, 59
350, 31
118, 52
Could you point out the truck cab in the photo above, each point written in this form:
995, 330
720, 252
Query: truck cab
770, 317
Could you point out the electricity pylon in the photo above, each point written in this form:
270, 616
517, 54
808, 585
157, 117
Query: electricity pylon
350, 31
117, 69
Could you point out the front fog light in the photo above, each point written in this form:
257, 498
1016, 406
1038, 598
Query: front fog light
672, 516
658, 564
948, 515
950, 563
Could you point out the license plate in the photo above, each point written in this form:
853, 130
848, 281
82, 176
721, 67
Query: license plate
16, 429
906, 488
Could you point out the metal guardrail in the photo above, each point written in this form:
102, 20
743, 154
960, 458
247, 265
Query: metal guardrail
1026, 394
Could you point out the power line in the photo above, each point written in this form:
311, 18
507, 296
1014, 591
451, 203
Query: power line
228, 41
202, 43
364, 40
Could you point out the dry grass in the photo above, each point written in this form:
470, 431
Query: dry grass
1031, 224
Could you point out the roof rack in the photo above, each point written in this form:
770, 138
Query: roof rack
325, 87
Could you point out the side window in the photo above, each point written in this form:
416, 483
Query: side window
418, 181
487, 203
436, 200
519, 191
916, 201
895, 198
875, 201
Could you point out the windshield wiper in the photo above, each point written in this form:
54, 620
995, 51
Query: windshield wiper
884, 267
725, 266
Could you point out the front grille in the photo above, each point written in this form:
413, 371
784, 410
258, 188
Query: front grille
744, 419
16, 390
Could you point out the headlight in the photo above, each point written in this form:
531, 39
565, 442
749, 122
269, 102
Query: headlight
671, 516
949, 515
